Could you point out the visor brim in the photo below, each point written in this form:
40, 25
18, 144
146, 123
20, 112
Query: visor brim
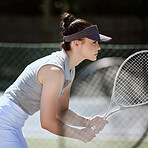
104, 38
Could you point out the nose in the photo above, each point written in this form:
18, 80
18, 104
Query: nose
98, 46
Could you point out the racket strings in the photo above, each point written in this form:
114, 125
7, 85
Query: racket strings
132, 81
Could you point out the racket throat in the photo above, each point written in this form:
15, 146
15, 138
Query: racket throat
113, 107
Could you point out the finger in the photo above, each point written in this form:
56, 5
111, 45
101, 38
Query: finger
91, 132
101, 121
99, 127
96, 129
88, 132
105, 120
87, 138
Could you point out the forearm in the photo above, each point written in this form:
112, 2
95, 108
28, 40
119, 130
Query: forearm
57, 127
71, 118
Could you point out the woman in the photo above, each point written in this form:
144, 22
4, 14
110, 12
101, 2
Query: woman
45, 85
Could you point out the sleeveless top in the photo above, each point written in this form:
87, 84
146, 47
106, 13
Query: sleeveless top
26, 90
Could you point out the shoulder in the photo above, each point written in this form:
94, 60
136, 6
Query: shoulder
50, 72
52, 68
55, 58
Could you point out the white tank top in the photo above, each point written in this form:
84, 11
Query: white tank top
26, 90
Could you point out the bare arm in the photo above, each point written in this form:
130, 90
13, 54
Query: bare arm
65, 114
69, 117
52, 78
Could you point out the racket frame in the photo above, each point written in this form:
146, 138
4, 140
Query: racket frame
114, 106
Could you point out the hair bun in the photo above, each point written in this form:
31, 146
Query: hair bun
67, 19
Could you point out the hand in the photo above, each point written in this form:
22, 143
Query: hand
97, 123
86, 134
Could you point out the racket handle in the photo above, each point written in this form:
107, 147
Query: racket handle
113, 108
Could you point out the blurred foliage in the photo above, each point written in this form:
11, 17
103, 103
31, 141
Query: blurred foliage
89, 7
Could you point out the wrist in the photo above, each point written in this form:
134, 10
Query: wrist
87, 123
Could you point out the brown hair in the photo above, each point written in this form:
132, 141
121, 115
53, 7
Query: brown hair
70, 25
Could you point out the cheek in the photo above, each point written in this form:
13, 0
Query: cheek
87, 54
83, 52
90, 49
87, 51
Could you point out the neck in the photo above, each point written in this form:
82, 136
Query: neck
74, 58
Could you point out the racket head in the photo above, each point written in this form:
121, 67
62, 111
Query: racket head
131, 81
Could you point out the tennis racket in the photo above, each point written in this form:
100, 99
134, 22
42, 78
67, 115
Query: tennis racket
130, 87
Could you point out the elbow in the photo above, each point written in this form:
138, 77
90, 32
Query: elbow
44, 125
51, 126
48, 124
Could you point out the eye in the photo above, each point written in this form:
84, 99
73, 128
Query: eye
95, 42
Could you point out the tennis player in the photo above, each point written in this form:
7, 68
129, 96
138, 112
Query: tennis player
45, 85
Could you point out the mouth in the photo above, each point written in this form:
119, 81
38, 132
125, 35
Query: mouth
96, 54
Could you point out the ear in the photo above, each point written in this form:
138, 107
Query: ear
76, 43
